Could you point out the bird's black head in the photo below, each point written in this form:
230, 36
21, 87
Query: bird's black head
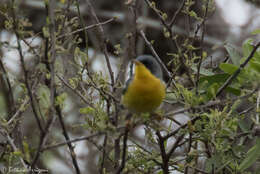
151, 64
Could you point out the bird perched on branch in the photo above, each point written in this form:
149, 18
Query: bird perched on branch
145, 90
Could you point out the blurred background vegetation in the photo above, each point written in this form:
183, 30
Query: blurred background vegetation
63, 64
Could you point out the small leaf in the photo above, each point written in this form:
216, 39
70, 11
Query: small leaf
60, 100
217, 78
87, 110
233, 53
234, 91
255, 32
244, 125
255, 65
247, 47
80, 57
252, 156
228, 68
18, 153
203, 71
43, 95
26, 150
212, 90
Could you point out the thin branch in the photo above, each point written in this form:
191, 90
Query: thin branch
117, 151
19, 111
179, 128
43, 139
176, 13
15, 149
103, 155
122, 166
103, 40
149, 44
75, 91
66, 135
70, 141
53, 50
82, 24
146, 22
9, 91
257, 108
175, 145
26, 76
49, 9
209, 104
165, 159
87, 28
173, 40
201, 46
236, 73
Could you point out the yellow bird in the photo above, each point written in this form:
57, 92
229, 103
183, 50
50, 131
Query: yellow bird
145, 90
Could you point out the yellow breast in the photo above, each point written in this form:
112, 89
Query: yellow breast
145, 93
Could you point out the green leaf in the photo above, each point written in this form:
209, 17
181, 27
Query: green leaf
80, 57
247, 47
214, 161
203, 71
255, 32
212, 90
244, 125
255, 65
87, 110
60, 100
257, 56
228, 68
233, 53
217, 78
26, 150
18, 153
234, 91
43, 96
252, 156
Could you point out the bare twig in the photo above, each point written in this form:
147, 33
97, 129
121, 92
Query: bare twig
49, 82
15, 149
66, 135
103, 155
26, 76
43, 139
19, 111
122, 166
71, 141
155, 54
52, 51
176, 13
148, 22
117, 151
179, 128
165, 159
209, 104
201, 46
83, 24
75, 91
236, 73
257, 108
173, 40
175, 145
103, 40
9, 91
87, 28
